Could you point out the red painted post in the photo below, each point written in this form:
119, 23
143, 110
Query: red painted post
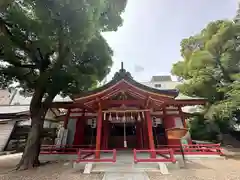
105, 134
135, 155
99, 134
79, 133
139, 135
114, 155
108, 133
150, 134
144, 134
79, 155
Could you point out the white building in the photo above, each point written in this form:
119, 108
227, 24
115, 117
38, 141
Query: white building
166, 82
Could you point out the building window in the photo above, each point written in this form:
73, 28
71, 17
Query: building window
158, 85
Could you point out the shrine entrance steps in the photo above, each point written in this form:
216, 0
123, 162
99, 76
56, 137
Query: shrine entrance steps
125, 176
125, 164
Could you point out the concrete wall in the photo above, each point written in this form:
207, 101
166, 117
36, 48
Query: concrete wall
162, 84
71, 130
47, 123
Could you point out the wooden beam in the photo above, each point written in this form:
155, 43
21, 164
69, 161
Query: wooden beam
187, 102
71, 105
107, 103
148, 101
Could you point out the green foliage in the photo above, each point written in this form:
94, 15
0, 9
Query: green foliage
201, 130
211, 68
57, 46
54, 46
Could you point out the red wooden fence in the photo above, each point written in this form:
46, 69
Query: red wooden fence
93, 159
160, 158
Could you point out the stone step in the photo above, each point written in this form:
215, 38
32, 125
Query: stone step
125, 167
125, 176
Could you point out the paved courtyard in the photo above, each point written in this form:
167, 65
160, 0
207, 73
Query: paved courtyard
207, 169
52, 171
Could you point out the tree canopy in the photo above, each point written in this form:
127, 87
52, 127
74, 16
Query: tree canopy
54, 46
55, 39
210, 68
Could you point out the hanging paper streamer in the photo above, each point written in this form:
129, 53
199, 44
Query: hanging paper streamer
125, 144
143, 114
124, 135
139, 117
124, 118
131, 116
110, 117
104, 116
116, 116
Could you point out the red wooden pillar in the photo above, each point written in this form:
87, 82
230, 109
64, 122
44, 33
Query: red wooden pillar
99, 134
139, 135
105, 134
144, 134
150, 133
79, 130
66, 119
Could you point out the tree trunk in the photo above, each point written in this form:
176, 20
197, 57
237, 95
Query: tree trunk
32, 149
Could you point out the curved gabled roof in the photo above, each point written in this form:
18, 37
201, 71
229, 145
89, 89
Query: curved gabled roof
124, 76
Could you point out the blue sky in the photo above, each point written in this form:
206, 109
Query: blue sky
153, 29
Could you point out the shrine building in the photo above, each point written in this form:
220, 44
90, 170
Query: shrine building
125, 114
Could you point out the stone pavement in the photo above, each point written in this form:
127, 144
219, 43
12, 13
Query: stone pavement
125, 176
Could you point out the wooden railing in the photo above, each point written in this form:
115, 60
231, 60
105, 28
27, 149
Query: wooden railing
93, 158
67, 149
195, 149
165, 155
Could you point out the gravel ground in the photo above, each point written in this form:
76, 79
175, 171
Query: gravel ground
208, 169
53, 171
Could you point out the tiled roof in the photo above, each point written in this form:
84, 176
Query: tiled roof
123, 75
59, 98
185, 97
8, 109
19, 99
161, 78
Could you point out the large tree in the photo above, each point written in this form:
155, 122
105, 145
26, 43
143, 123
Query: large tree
210, 68
54, 46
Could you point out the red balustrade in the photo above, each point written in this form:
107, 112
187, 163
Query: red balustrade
93, 158
195, 149
162, 152
67, 149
